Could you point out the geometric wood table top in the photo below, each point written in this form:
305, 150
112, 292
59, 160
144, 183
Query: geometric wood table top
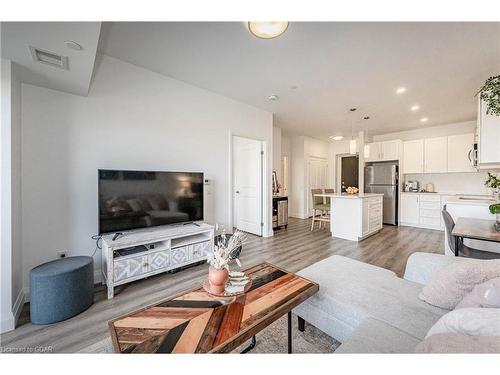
197, 322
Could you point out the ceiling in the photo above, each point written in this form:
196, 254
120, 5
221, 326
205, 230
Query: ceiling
50, 36
334, 66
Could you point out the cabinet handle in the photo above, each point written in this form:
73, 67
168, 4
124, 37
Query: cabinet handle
146, 264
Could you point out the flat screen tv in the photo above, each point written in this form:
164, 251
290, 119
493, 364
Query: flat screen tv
139, 199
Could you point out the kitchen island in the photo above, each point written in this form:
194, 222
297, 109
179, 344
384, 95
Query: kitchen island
355, 217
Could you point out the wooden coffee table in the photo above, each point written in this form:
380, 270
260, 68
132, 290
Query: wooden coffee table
197, 322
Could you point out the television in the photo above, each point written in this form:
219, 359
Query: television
140, 199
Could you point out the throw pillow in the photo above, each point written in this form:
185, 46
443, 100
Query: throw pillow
459, 343
450, 285
483, 295
469, 321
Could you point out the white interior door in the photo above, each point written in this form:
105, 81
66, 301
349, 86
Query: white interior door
317, 178
247, 185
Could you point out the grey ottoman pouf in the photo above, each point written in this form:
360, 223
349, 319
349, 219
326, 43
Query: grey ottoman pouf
61, 289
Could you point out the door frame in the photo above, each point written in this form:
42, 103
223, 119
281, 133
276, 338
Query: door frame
266, 190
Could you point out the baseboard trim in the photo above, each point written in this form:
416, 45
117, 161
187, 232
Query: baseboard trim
7, 324
298, 216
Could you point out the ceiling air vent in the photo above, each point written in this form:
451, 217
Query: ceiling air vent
49, 58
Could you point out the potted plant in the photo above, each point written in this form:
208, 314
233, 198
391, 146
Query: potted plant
490, 94
226, 249
495, 210
493, 182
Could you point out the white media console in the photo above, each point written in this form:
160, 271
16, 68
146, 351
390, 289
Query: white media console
145, 252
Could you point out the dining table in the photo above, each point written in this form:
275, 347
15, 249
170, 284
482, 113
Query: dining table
474, 229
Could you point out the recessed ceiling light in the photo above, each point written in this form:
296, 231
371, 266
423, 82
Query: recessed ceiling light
400, 90
267, 30
415, 107
273, 97
336, 137
424, 119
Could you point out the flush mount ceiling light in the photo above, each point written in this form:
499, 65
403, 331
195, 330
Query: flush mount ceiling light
267, 30
73, 45
424, 119
273, 97
337, 137
400, 90
415, 107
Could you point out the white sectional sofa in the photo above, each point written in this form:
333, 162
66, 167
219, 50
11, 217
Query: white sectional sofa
369, 309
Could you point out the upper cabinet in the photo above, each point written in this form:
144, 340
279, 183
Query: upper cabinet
439, 155
383, 151
435, 155
489, 138
460, 149
413, 156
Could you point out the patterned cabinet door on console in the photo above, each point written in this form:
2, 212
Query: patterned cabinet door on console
130, 267
158, 260
179, 255
200, 250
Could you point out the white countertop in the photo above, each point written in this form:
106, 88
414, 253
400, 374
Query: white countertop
349, 196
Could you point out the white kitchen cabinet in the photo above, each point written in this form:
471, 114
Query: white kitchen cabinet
413, 156
488, 138
410, 210
421, 210
460, 148
384, 151
436, 155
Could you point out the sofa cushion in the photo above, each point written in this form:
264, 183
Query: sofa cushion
459, 343
477, 321
451, 284
352, 291
374, 336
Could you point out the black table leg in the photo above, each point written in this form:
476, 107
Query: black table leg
302, 324
250, 346
289, 332
457, 244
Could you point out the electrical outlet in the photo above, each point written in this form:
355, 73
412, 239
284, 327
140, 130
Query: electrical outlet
62, 254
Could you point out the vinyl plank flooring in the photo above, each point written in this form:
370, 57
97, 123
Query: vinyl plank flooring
293, 249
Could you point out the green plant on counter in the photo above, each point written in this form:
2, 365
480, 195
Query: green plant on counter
495, 208
493, 181
490, 94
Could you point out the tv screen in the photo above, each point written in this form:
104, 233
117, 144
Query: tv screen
139, 199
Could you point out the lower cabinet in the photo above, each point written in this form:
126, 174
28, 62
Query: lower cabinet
130, 267
372, 215
421, 210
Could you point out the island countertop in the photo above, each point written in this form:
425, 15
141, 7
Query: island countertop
349, 196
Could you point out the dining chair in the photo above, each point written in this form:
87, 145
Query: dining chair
463, 249
320, 209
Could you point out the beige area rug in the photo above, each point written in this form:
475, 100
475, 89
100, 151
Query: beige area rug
273, 339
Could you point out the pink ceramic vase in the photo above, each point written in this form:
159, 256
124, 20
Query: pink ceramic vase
217, 279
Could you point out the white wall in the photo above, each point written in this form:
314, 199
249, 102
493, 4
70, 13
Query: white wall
429, 132
132, 118
10, 202
277, 151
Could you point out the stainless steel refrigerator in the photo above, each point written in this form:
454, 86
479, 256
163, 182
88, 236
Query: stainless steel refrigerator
383, 178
